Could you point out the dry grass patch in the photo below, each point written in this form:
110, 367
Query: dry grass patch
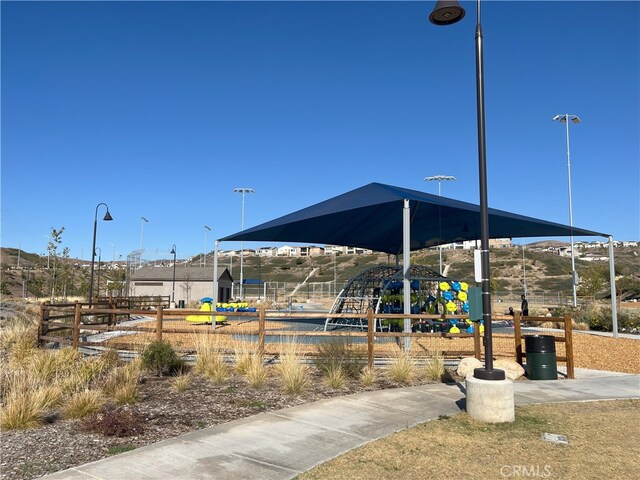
83, 404
402, 368
604, 443
256, 372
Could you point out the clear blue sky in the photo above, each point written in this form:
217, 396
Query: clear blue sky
161, 109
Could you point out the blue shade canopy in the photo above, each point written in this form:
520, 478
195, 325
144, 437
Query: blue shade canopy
371, 217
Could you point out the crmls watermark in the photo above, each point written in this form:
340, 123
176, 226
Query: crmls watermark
525, 471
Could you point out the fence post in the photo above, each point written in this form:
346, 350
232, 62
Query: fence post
159, 323
476, 341
568, 344
261, 316
518, 337
43, 328
76, 326
370, 332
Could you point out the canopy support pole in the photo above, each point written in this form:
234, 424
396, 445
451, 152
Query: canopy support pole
612, 276
215, 284
406, 265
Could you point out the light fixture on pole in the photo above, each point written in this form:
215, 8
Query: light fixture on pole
173, 284
440, 179
107, 218
243, 191
565, 119
206, 229
447, 12
142, 222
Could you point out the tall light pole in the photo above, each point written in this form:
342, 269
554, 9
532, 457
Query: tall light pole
524, 273
565, 119
99, 262
243, 191
206, 229
142, 222
447, 12
173, 285
440, 179
107, 218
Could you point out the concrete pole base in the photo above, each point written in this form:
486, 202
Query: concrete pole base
490, 401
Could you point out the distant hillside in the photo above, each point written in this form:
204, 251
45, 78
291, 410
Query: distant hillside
544, 271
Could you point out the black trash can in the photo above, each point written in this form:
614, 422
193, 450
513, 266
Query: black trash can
180, 303
541, 357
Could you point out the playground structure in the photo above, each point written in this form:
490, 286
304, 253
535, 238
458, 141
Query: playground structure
381, 289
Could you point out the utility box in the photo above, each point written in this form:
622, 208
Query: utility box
474, 299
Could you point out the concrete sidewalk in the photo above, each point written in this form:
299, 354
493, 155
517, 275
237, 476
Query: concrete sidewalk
284, 443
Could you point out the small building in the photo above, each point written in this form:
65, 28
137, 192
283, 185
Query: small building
191, 283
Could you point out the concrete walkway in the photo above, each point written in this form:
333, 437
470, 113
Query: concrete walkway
284, 443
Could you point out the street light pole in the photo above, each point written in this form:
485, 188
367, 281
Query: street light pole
107, 218
447, 12
206, 229
565, 119
173, 285
142, 222
440, 179
99, 262
242, 190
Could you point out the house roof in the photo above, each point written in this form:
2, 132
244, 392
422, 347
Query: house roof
371, 217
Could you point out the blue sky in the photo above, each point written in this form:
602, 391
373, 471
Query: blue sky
162, 109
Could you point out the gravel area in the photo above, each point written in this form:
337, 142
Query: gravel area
164, 413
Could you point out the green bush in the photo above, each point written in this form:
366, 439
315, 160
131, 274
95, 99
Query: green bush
160, 358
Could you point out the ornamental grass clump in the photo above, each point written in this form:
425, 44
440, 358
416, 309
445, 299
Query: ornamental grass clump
209, 359
83, 404
121, 384
339, 352
181, 382
256, 373
25, 400
336, 376
368, 376
294, 374
402, 368
434, 367
242, 353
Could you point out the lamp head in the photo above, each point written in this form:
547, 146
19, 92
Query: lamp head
173, 250
575, 119
557, 117
107, 216
447, 12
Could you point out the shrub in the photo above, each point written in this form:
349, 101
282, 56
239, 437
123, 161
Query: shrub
160, 358
209, 359
114, 422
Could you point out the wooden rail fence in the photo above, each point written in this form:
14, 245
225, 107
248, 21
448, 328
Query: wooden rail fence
64, 323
